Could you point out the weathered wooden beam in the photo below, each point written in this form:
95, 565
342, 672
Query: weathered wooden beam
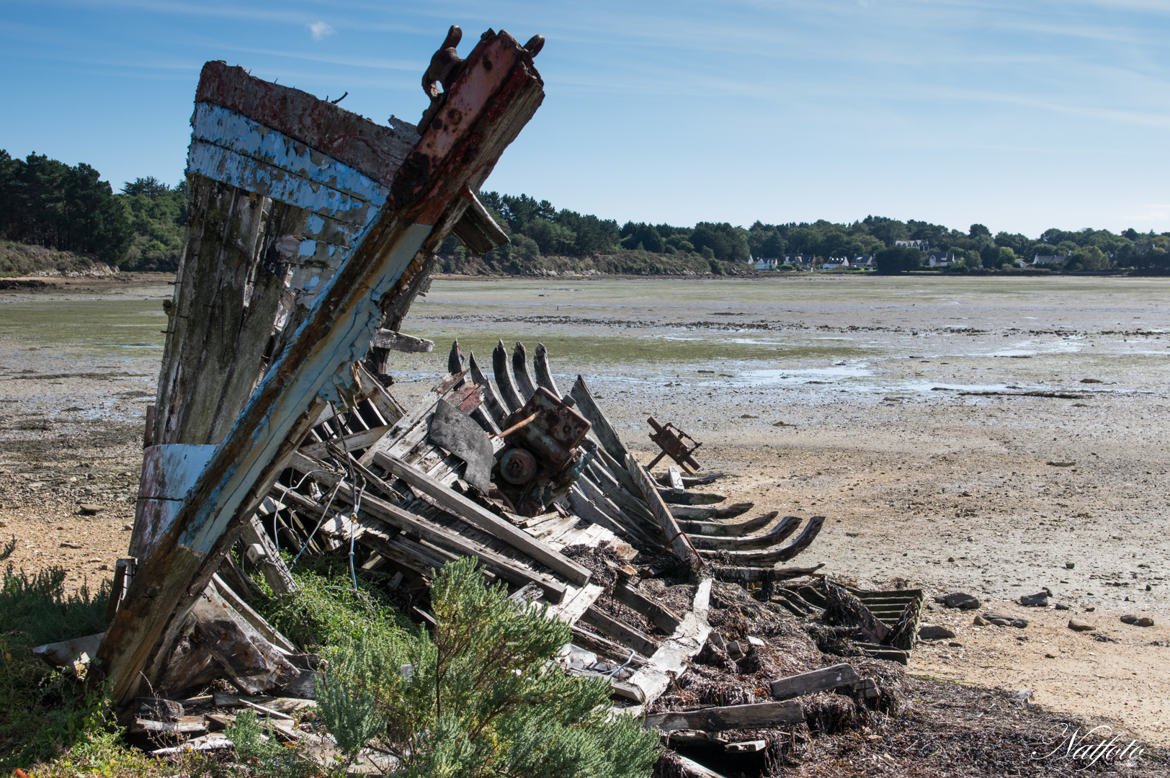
753, 716
485, 109
813, 681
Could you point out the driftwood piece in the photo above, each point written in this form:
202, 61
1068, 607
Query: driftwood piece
494, 98
826, 678
601, 429
753, 716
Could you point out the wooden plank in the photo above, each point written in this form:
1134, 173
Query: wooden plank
475, 514
676, 652
674, 478
813, 681
494, 97
675, 539
478, 229
661, 616
576, 602
619, 631
758, 715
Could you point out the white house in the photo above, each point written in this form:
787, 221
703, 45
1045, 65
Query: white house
1048, 260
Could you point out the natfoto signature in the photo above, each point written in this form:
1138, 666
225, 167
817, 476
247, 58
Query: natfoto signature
1086, 748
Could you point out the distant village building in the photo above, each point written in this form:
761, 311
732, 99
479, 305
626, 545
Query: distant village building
835, 263
1048, 260
940, 259
767, 263
863, 261
921, 245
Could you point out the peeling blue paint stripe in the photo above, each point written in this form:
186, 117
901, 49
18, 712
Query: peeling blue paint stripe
255, 176
227, 129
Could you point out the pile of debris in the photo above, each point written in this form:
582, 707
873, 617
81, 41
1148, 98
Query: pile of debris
311, 231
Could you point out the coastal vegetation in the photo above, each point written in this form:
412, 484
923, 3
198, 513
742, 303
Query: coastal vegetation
76, 219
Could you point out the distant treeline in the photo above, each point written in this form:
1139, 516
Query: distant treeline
48, 203
546, 239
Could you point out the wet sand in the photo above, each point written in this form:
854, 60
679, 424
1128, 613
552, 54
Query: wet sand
959, 433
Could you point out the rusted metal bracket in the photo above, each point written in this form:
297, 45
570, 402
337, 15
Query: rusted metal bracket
674, 443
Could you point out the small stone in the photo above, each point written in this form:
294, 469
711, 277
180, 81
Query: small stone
1144, 621
1050, 656
1129, 618
1060, 606
1037, 600
979, 621
960, 600
127, 527
67, 544
935, 632
86, 509
950, 559
1076, 625
1069, 565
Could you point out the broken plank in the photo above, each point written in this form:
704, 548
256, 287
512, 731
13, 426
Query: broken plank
752, 716
814, 681
676, 652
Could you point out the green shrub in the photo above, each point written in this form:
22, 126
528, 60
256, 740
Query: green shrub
482, 697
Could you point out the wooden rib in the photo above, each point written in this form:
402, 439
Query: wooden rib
683, 497
543, 374
772, 555
726, 528
454, 359
709, 512
504, 382
779, 532
524, 382
491, 399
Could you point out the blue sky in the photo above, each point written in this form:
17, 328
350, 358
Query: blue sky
1020, 115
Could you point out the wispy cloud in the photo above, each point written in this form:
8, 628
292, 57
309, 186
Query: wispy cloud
320, 30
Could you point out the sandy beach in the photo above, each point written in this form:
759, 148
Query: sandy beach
996, 436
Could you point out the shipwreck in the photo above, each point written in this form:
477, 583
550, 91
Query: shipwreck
275, 430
